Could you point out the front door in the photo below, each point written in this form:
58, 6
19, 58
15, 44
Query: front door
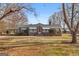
39, 30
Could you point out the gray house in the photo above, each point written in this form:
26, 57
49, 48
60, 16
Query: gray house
39, 29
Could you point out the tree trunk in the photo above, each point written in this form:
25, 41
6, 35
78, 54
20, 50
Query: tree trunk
74, 38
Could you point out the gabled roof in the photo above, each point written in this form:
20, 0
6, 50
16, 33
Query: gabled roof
39, 24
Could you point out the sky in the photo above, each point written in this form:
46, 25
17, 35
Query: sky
44, 11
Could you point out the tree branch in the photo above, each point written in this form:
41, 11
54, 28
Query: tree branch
65, 17
72, 15
9, 13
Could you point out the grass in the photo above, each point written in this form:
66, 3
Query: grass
45, 50
38, 46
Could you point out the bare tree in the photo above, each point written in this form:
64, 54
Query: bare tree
15, 19
12, 15
55, 18
70, 22
13, 7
